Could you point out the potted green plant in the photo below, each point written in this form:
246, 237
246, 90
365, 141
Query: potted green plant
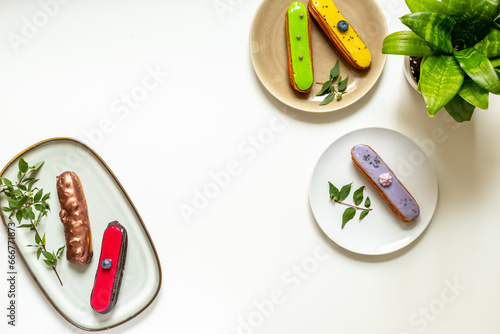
459, 42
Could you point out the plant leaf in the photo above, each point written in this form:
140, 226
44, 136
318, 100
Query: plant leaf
457, 8
495, 62
23, 165
460, 109
474, 24
343, 84
38, 195
345, 191
427, 6
37, 166
325, 88
479, 69
490, 45
329, 98
363, 214
335, 71
50, 263
358, 195
349, 214
406, 43
474, 94
440, 80
435, 28
368, 202
334, 192
48, 255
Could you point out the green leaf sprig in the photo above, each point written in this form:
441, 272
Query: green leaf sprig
28, 203
338, 196
329, 86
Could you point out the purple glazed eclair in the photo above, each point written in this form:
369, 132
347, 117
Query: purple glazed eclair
386, 182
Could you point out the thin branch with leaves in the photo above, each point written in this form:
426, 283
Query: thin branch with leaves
28, 205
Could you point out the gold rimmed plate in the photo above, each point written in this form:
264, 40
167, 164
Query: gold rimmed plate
106, 201
269, 54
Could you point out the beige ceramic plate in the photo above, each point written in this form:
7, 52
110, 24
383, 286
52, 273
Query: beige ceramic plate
269, 55
106, 201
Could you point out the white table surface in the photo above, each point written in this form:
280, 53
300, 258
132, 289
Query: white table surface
253, 260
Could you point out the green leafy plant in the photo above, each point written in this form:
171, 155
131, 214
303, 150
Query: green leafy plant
28, 204
329, 86
459, 42
338, 196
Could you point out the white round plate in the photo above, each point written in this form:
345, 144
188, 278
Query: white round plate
381, 231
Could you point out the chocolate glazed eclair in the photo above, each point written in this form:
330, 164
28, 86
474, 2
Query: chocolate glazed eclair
75, 218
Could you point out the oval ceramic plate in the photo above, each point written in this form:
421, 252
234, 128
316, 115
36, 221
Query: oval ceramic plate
381, 231
269, 54
106, 201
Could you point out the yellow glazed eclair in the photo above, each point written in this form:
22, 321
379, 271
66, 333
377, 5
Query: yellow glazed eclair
340, 33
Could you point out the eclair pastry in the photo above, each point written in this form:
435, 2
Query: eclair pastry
299, 50
75, 218
109, 272
385, 181
340, 33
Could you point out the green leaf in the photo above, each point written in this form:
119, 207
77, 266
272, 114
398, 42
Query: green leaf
38, 253
343, 84
23, 165
363, 214
25, 226
37, 166
38, 195
37, 239
495, 62
329, 98
474, 94
406, 43
31, 214
60, 250
334, 192
427, 6
457, 8
460, 109
6, 209
325, 88
50, 263
7, 182
345, 191
335, 71
13, 203
474, 24
349, 214
435, 28
19, 216
358, 195
368, 202
490, 45
440, 80
48, 255
479, 69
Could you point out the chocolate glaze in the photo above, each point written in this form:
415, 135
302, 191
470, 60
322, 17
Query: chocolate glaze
74, 216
